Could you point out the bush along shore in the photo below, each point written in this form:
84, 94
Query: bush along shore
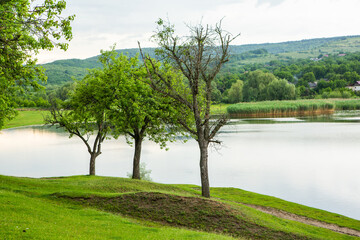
291, 108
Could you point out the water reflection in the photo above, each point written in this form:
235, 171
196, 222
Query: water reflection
301, 160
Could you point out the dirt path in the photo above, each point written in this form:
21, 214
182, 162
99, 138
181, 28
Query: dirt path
294, 217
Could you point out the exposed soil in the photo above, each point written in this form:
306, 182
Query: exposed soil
302, 219
190, 212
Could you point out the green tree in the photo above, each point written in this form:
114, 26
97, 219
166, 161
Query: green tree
236, 92
351, 77
255, 85
308, 77
285, 75
199, 56
280, 89
26, 28
88, 115
137, 110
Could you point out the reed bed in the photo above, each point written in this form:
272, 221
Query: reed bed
352, 104
295, 107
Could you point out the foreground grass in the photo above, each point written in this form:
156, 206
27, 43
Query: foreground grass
26, 118
85, 207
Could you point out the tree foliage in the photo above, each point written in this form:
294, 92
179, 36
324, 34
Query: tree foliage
280, 89
136, 110
25, 29
117, 99
255, 85
261, 86
236, 92
87, 116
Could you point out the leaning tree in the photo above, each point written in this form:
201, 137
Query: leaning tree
85, 113
199, 57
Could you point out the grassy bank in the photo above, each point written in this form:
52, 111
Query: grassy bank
84, 207
252, 109
292, 108
27, 117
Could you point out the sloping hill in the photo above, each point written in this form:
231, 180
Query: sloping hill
93, 207
63, 71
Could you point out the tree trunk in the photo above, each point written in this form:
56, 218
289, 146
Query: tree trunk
136, 160
205, 187
92, 163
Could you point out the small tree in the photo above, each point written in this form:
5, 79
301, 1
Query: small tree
199, 57
87, 116
135, 109
255, 86
280, 89
235, 92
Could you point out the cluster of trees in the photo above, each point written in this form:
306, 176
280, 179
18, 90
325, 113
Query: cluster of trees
116, 100
156, 100
61, 71
324, 78
260, 86
331, 74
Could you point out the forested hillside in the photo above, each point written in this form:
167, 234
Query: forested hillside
315, 68
62, 71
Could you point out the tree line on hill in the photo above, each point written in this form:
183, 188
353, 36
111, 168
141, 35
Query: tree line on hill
327, 76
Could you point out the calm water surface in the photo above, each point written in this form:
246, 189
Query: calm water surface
315, 162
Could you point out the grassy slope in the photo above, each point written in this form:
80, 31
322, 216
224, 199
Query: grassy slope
28, 211
26, 118
30, 205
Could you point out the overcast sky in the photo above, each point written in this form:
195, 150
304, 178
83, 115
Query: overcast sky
100, 24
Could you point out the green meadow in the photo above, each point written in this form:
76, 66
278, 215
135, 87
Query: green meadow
26, 118
297, 107
94, 207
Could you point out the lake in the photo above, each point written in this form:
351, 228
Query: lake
312, 161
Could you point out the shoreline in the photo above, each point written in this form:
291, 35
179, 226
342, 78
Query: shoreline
300, 113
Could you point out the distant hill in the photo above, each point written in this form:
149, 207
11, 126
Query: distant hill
63, 71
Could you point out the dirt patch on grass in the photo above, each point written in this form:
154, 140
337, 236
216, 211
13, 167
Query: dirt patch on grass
302, 219
190, 212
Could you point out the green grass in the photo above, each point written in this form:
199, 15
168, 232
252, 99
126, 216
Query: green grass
218, 109
294, 106
36, 117
246, 197
45, 209
352, 104
26, 118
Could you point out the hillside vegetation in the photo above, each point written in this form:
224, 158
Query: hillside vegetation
307, 69
62, 71
92, 207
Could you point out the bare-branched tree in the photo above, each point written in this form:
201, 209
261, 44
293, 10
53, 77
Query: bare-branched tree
199, 57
